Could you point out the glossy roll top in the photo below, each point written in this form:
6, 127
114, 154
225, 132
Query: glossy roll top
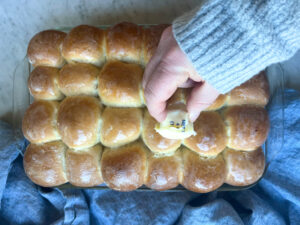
119, 84
83, 167
78, 121
43, 83
78, 79
84, 44
44, 49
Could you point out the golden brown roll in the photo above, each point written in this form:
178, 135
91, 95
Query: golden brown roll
78, 121
44, 48
85, 44
120, 126
44, 163
151, 37
163, 172
39, 122
244, 168
78, 79
211, 136
154, 141
247, 126
42, 83
124, 42
178, 98
218, 103
124, 169
83, 166
119, 84
201, 174
255, 91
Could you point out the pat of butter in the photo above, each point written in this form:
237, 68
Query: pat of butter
176, 125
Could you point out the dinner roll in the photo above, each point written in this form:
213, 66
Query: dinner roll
201, 174
120, 126
119, 84
44, 48
178, 98
151, 37
39, 122
83, 166
78, 79
78, 121
42, 83
44, 163
154, 141
124, 169
84, 44
218, 103
244, 168
247, 126
124, 42
164, 172
210, 138
254, 91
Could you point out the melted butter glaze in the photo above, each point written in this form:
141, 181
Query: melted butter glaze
42, 83
249, 126
244, 168
78, 121
202, 174
120, 126
43, 164
78, 79
211, 136
254, 91
120, 84
83, 168
163, 172
124, 42
123, 169
84, 44
151, 37
39, 122
44, 48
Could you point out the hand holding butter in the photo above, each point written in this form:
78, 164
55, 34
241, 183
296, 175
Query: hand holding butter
177, 124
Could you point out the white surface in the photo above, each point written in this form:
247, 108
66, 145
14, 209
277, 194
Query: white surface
20, 20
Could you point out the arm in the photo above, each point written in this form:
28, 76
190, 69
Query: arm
219, 46
230, 41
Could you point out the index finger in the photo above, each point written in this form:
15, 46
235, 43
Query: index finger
160, 87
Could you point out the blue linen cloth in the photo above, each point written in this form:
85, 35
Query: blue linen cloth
275, 200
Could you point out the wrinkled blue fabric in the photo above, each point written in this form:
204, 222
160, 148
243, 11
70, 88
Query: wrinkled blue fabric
274, 200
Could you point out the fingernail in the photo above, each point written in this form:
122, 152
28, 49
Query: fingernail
161, 117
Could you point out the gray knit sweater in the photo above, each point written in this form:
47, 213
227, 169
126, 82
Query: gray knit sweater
229, 41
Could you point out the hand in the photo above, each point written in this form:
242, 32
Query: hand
169, 69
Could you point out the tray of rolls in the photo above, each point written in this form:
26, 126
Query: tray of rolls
78, 100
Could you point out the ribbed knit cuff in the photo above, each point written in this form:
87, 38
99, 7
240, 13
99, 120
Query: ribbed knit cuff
230, 41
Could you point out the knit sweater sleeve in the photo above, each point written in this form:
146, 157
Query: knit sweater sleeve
230, 41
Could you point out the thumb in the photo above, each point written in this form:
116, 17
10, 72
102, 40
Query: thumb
201, 96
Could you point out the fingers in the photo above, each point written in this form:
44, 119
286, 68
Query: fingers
156, 58
160, 87
189, 83
150, 68
201, 96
